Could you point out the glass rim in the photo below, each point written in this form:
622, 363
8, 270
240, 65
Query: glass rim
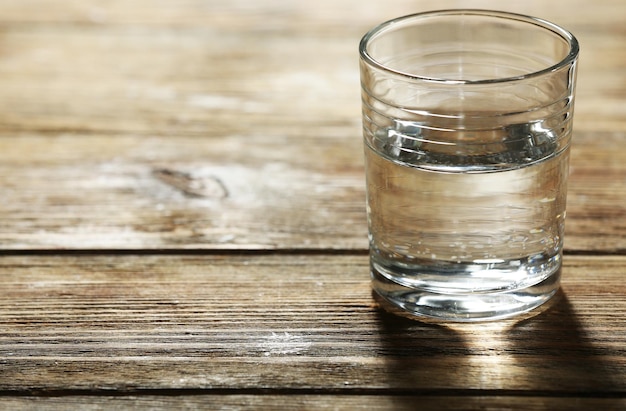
566, 35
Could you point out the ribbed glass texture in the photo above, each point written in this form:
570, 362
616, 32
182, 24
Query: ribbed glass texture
467, 123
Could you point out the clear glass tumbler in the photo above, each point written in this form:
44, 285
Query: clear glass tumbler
467, 122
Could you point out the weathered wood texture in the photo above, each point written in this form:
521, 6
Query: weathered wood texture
229, 126
240, 68
282, 322
311, 402
260, 192
219, 125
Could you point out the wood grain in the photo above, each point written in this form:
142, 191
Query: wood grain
287, 322
123, 192
219, 126
310, 402
202, 67
182, 218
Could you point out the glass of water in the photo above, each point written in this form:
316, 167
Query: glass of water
467, 122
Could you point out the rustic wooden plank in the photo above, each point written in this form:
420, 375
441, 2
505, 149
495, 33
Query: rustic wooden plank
235, 125
97, 323
185, 193
310, 402
208, 80
262, 192
218, 126
233, 68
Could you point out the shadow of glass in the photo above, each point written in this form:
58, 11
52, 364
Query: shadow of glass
419, 356
565, 355
548, 353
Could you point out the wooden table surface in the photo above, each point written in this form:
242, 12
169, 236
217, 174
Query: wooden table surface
182, 218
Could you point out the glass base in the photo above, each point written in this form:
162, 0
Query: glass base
467, 306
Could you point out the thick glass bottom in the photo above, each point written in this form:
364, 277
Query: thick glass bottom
468, 306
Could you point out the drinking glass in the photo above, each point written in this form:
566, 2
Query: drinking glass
467, 122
